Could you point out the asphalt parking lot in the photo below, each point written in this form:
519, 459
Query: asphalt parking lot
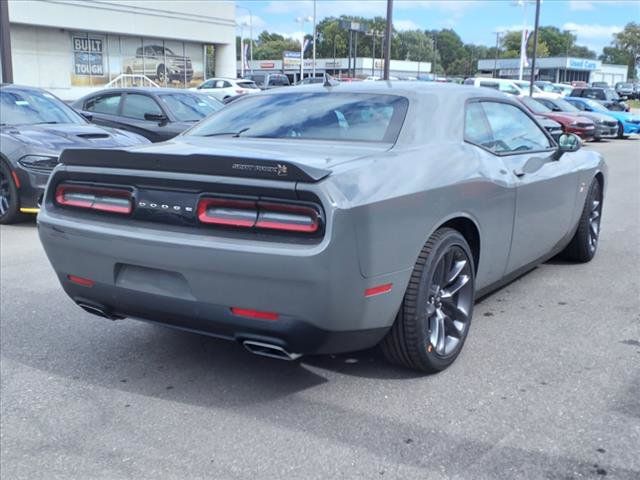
547, 386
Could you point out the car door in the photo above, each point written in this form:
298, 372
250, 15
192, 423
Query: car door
134, 116
546, 188
104, 109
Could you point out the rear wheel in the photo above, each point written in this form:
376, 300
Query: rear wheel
435, 315
584, 243
9, 201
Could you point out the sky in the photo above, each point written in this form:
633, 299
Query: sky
476, 21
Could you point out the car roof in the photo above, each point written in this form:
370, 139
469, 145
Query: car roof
406, 88
147, 90
13, 86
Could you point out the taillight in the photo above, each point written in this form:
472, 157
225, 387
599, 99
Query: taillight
113, 200
259, 214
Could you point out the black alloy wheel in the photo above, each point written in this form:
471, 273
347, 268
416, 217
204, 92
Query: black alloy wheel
435, 315
584, 243
8, 196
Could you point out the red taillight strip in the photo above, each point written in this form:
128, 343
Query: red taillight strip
94, 198
246, 312
378, 290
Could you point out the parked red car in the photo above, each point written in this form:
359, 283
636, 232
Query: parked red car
571, 123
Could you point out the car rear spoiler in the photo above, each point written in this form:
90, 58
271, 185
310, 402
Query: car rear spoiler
194, 163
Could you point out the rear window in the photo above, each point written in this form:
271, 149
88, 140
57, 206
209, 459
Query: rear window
319, 115
247, 84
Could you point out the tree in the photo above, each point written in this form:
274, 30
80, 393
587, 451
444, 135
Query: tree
624, 48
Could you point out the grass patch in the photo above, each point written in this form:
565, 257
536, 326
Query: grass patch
634, 103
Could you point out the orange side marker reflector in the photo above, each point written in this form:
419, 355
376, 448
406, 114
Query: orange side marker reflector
245, 312
378, 290
16, 180
85, 282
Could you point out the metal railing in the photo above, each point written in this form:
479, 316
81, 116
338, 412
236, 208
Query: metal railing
126, 80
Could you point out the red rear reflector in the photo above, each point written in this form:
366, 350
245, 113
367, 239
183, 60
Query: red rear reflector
94, 198
245, 312
378, 290
85, 282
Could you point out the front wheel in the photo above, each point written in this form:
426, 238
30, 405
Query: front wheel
434, 318
9, 202
621, 130
584, 243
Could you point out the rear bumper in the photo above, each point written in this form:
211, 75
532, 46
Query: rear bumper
192, 282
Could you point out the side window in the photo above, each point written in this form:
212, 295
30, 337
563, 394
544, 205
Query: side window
513, 130
490, 85
107, 104
136, 105
476, 128
226, 85
207, 84
219, 84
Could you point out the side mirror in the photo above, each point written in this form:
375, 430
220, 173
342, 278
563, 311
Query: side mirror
87, 116
155, 117
568, 142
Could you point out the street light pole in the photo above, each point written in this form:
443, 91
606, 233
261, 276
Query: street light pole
241, 25
301, 20
314, 39
535, 47
387, 39
495, 63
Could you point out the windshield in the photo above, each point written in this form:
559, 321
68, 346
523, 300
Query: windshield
534, 105
525, 86
30, 107
593, 105
190, 107
318, 115
565, 106
611, 94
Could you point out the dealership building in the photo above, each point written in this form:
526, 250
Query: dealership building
70, 47
557, 69
339, 67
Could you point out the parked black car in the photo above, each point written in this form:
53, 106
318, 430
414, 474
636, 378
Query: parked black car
606, 96
155, 113
270, 80
35, 127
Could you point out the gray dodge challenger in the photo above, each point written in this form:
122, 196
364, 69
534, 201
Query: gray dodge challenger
325, 218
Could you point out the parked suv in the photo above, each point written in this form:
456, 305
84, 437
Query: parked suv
269, 80
160, 63
606, 96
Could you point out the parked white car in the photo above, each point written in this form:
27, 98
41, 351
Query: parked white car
519, 88
223, 88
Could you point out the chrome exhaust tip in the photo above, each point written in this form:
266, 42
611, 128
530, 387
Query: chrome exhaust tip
269, 350
99, 311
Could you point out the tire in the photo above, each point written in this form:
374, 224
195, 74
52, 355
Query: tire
433, 321
9, 199
621, 130
161, 74
584, 244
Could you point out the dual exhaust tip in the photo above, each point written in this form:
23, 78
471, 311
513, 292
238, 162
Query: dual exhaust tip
257, 348
269, 350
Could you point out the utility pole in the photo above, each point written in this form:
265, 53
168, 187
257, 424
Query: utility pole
495, 63
434, 41
5, 44
387, 39
535, 47
314, 40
